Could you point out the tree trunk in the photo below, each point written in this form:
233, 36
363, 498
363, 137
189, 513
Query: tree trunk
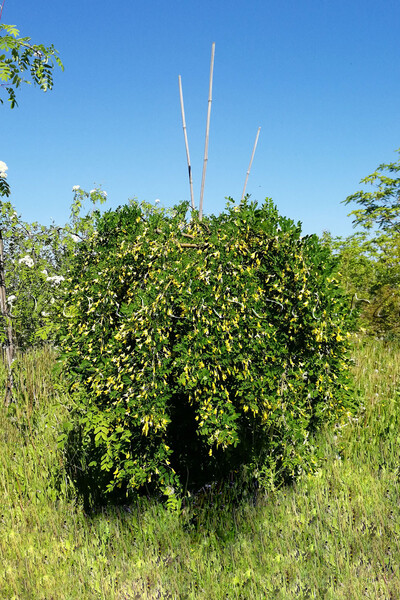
8, 332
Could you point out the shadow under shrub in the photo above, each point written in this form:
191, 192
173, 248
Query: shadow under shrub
202, 347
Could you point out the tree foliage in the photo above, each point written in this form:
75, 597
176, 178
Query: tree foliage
370, 259
197, 348
21, 58
380, 208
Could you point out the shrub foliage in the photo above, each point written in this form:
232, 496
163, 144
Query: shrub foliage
197, 348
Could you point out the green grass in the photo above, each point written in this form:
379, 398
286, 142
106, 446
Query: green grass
335, 535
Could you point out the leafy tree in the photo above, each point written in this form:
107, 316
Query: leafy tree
18, 57
370, 259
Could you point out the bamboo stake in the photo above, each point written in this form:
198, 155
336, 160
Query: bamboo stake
9, 351
251, 161
186, 143
207, 133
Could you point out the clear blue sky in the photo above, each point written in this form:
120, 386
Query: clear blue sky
321, 78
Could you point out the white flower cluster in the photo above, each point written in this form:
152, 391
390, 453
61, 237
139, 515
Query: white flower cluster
55, 280
76, 188
11, 299
3, 169
26, 260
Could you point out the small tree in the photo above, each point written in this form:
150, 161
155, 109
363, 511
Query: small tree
20, 57
376, 249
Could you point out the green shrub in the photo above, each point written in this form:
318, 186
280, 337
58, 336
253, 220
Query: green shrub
197, 349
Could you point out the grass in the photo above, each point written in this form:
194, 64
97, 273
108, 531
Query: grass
335, 535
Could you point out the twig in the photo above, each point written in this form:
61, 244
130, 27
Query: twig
1, 10
251, 161
235, 302
275, 302
207, 133
356, 299
65, 314
186, 143
206, 226
187, 235
377, 312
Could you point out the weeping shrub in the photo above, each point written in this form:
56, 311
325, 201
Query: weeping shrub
198, 348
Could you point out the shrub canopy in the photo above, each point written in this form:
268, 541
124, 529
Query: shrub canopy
200, 347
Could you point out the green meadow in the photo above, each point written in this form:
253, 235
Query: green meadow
334, 535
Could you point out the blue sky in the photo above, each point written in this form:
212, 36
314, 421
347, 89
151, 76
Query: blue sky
321, 79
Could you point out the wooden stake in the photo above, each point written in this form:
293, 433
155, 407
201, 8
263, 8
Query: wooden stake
251, 160
186, 144
207, 133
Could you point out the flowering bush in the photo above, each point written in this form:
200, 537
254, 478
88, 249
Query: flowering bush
26, 260
36, 262
200, 347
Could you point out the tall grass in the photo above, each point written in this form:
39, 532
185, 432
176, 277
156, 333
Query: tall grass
334, 535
